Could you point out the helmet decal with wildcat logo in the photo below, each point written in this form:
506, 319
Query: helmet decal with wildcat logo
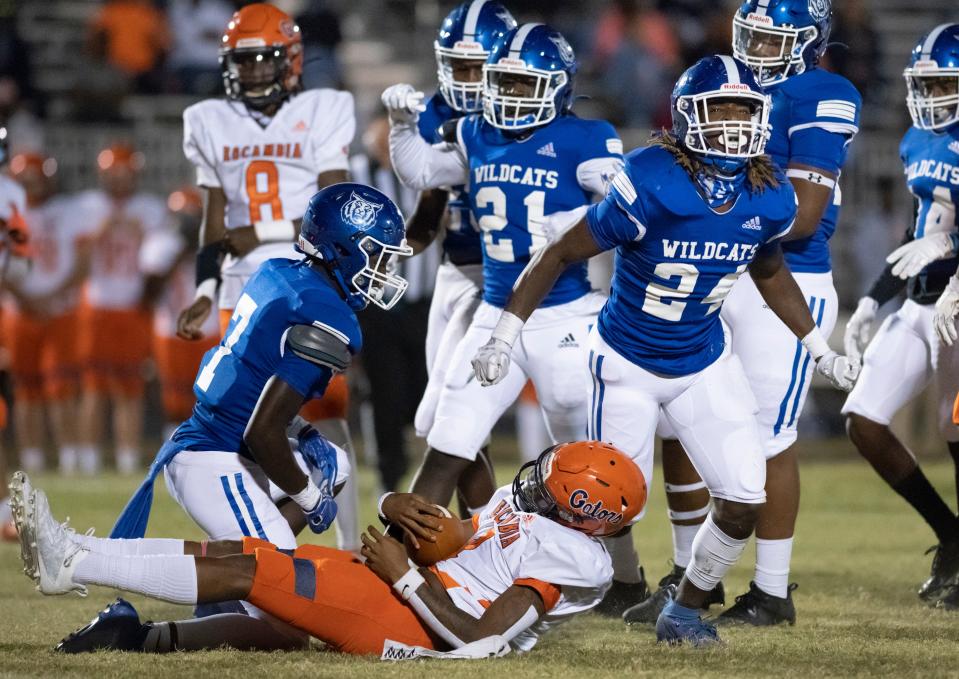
360, 213
819, 9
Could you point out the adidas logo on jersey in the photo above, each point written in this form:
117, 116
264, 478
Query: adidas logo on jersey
567, 342
954, 146
753, 224
547, 150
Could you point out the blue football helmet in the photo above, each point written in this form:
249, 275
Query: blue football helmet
781, 38
468, 33
528, 79
932, 79
357, 233
722, 142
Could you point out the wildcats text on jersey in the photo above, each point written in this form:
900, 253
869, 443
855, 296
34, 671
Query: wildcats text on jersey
516, 174
277, 150
729, 252
933, 169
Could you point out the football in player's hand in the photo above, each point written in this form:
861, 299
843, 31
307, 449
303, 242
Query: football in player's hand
449, 540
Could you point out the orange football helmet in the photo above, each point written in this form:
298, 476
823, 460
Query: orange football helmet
120, 155
34, 172
589, 486
261, 56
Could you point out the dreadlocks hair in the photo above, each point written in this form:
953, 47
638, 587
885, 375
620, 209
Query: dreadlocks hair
760, 171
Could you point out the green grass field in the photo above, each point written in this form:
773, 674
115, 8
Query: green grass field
858, 560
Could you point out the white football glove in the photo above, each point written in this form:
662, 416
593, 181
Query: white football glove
947, 308
841, 371
403, 102
913, 257
859, 328
491, 362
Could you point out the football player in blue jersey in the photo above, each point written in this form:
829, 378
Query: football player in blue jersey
815, 115
687, 217
230, 466
465, 40
906, 353
529, 162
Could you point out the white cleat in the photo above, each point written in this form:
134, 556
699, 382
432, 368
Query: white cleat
50, 555
22, 508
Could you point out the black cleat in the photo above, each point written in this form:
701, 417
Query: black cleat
117, 628
944, 572
647, 612
757, 608
622, 595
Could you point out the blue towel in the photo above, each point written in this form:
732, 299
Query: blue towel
132, 522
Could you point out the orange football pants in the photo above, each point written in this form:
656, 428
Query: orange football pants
332, 596
335, 403
44, 361
177, 361
114, 345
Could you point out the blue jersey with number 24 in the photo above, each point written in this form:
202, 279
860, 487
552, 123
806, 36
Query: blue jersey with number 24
677, 259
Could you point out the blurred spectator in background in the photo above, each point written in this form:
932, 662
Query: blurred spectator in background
858, 52
168, 258
878, 231
638, 54
41, 333
196, 27
320, 27
24, 128
115, 327
132, 38
394, 358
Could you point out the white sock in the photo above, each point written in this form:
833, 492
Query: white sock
88, 458
68, 459
683, 537
6, 514
128, 460
625, 558
166, 577
772, 566
32, 460
140, 547
713, 554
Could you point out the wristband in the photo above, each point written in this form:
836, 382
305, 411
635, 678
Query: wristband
508, 328
407, 585
208, 260
379, 505
309, 497
297, 425
816, 344
277, 230
206, 289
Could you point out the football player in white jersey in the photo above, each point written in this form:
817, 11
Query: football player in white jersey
114, 338
532, 561
260, 155
41, 331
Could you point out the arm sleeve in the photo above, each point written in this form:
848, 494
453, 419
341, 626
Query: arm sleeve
421, 166
331, 145
618, 219
887, 286
195, 150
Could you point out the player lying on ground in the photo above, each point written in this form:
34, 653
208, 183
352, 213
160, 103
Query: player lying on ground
533, 560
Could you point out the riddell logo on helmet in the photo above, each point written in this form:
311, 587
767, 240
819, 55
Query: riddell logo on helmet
579, 499
468, 45
736, 87
759, 18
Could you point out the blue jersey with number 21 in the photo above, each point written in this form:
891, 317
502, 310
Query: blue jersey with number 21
677, 259
515, 182
281, 294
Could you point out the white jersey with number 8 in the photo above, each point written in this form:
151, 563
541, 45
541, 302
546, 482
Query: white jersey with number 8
268, 172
